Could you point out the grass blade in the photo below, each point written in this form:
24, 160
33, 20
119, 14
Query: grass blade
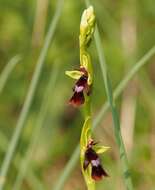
31, 178
116, 122
24, 166
137, 66
7, 71
30, 94
68, 169
75, 155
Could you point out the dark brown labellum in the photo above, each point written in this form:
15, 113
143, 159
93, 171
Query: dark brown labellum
77, 99
91, 157
98, 172
79, 89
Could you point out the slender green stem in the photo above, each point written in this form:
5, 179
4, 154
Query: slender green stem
7, 70
87, 106
22, 118
25, 163
75, 155
91, 186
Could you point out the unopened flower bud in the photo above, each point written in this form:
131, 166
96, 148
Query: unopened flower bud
87, 26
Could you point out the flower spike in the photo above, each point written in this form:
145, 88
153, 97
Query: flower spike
91, 166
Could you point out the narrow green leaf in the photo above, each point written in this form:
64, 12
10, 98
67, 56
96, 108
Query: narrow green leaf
7, 71
116, 122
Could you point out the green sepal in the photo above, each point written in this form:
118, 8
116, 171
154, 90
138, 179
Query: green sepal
86, 63
100, 149
74, 74
85, 137
86, 133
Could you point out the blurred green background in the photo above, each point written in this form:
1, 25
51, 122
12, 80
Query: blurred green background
127, 29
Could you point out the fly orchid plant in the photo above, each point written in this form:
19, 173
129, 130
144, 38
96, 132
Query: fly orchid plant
89, 149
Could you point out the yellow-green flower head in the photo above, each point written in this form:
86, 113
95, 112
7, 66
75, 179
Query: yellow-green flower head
87, 26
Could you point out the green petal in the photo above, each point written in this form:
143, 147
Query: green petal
74, 74
100, 149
